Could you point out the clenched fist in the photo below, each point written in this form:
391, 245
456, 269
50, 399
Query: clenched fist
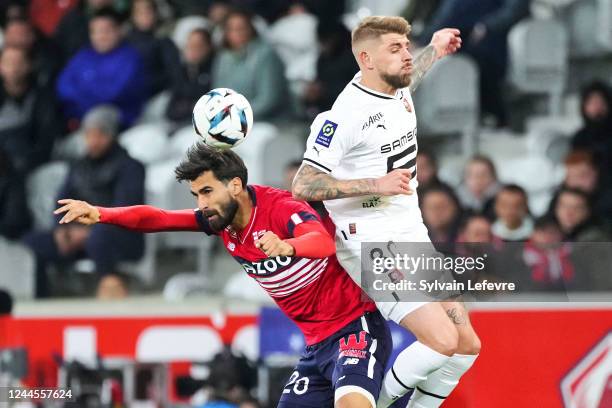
394, 183
446, 41
273, 246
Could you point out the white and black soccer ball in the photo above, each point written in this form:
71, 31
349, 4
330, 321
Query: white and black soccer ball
223, 118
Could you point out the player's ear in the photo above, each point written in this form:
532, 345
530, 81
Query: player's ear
365, 59
236, 186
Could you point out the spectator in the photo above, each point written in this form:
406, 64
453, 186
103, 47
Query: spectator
12, 9
14, 213
28, 114
513, 222
574, 213
582, 173
159, 54
335, 68
191, 77
485, 25
113, 286
45, 15
476, 229
298, 53
108, 71
217, 12
20, 33
250, 66
71, 34
427, 171
272, 10
230, 379
596, 133
107, 176
547, 258
441, 214
480, 185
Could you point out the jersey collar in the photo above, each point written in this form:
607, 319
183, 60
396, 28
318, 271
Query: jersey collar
247, 230
374, 93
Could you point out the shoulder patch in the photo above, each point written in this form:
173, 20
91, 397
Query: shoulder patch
326, 133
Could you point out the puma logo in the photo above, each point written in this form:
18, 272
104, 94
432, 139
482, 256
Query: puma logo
316, 150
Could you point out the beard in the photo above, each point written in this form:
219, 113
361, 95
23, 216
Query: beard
396, 81
224, 218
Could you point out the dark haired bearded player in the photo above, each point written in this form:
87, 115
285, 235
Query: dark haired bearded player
282, 244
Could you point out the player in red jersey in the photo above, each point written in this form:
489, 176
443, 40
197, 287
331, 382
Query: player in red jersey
281, 243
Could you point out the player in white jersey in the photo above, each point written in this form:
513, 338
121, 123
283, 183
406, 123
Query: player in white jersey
360, 160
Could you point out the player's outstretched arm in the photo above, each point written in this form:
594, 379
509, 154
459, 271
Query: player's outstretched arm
444, 42
312, 184
143, 218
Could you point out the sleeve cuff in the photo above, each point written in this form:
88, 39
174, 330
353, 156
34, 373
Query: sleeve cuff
318, 165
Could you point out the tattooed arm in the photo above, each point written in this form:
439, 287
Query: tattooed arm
422, 63
312, 184
443, 42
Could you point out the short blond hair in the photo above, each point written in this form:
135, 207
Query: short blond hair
375, 26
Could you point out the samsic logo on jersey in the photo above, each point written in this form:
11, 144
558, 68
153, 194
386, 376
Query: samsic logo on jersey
266, 266
399, 143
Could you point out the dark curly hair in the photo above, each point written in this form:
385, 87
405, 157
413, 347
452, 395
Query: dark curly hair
224, 164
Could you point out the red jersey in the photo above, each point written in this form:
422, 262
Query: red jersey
317, 294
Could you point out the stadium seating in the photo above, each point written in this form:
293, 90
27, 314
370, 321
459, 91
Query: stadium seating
538, 175
152, 135
42, 187
277, 153
17, 264
252, 152
590, 27
155, 109
145, 269
539, 59
447, 105
550, 136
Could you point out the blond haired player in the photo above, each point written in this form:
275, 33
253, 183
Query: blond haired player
360, 160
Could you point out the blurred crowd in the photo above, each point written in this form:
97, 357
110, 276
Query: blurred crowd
87, 69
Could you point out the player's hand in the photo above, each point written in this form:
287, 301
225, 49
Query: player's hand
273, 246
446, 41
394, 183
79, 211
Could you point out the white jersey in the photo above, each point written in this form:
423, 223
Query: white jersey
367, 134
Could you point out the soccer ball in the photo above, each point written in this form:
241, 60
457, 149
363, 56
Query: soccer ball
223, 118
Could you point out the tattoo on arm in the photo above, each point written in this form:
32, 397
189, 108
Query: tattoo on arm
456, 316
311, 184
422, 63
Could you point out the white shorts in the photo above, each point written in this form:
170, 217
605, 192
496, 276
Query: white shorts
348, 252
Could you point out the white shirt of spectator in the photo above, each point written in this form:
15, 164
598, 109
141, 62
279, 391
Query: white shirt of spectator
367, 134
